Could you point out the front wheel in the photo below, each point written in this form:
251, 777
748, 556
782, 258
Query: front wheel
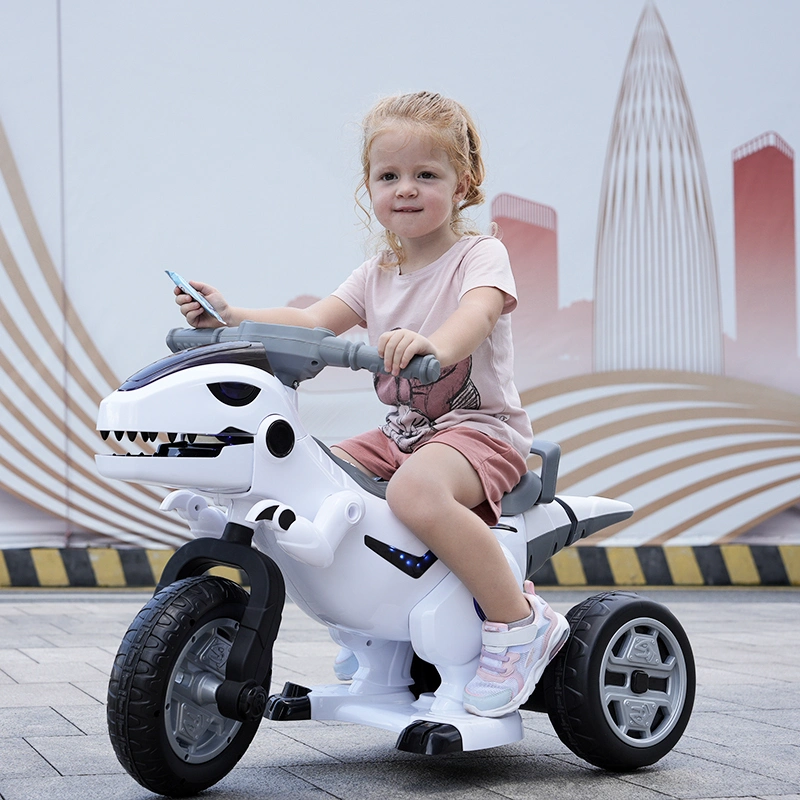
163, 720
620, 693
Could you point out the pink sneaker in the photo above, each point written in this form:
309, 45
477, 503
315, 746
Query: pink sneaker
513, 659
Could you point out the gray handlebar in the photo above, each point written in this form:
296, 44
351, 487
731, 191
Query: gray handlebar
338, 352
184, 338
299, 353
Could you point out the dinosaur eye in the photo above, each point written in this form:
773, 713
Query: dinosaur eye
234, 394
280, 438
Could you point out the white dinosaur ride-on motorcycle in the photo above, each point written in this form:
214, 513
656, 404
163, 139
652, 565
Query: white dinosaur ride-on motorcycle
190, 684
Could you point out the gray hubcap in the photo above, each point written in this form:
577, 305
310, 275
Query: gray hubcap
643, 682
196, 730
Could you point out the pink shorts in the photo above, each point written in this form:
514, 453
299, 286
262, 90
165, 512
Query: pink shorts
499, 466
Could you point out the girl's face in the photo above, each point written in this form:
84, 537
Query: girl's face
413, 187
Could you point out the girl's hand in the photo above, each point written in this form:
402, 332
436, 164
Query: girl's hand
399, 346
193, 311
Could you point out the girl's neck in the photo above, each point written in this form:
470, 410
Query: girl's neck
419, 254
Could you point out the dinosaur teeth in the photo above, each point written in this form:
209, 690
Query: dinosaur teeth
152, 436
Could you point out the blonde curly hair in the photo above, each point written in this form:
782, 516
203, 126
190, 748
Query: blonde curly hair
451, 127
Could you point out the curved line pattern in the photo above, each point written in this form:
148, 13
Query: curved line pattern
701, 458
51, 390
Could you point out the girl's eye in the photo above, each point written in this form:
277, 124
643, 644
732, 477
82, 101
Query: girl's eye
426, 175
388, 176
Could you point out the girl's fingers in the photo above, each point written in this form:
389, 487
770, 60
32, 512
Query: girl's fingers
398, 347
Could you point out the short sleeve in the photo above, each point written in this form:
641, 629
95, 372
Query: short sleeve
353, 290
487, 263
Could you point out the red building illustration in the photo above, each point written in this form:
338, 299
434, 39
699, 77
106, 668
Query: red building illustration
549, 343
765, 350
529, 231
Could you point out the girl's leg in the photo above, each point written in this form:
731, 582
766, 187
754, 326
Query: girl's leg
339, 453
432, 494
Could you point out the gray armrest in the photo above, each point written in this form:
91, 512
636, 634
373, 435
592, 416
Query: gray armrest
550, 453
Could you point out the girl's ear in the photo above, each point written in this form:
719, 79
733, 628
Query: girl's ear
462, 187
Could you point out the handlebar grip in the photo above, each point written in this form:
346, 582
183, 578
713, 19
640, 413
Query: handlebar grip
425, 369
357, 355
184, 338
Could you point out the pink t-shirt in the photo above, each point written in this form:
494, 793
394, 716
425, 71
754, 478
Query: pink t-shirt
479, 391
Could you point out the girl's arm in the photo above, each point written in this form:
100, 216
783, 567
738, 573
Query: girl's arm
457, 338
330, 312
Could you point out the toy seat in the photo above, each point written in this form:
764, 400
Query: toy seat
531, 489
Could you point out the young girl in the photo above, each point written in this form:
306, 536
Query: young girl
452, 449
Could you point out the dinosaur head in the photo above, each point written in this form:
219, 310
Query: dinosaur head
202, 409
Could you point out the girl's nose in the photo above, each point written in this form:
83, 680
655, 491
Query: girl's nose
406, 188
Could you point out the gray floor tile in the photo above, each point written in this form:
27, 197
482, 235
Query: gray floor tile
16, 723
19, 759
690, 777
275, 746
381, 780
42, 694
86, 719
96, 787
53, 672
78, 755
98, 690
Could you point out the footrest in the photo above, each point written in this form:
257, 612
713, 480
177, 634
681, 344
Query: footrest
291, 704
430, 739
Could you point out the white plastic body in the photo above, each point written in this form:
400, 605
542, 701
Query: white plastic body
380, 612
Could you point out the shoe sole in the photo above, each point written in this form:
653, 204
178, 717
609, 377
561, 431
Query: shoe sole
560, 636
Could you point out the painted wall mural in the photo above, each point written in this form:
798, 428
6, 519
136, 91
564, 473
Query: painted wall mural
650, 398
49, 395
704, 447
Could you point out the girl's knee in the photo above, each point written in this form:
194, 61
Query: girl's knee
409, 494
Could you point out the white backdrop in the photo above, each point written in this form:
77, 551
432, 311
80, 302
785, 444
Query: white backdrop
220, 139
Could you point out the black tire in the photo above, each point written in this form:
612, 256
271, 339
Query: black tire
621, 691
163, 722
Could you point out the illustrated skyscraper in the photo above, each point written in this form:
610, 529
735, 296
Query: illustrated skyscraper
656, 273
765, 350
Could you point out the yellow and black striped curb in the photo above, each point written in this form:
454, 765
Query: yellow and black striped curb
103, 567
708, 565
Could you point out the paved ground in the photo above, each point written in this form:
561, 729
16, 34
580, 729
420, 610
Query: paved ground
56, 650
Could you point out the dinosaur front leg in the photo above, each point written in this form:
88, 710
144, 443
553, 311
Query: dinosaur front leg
203, 519
312, 542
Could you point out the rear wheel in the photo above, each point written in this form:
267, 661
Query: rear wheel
620, 693
163, 719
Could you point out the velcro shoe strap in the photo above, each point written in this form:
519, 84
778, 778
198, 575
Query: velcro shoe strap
510, 638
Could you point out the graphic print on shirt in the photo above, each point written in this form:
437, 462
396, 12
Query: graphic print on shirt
417, 407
